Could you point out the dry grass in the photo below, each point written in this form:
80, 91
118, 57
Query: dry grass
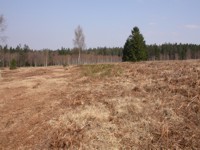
101, 70
146, 105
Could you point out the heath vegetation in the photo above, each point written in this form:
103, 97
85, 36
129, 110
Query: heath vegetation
142, 105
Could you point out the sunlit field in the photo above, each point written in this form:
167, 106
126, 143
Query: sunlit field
144, 105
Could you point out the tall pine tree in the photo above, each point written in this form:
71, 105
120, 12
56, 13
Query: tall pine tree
135, 47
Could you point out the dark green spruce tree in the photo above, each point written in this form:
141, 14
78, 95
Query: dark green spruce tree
135, 47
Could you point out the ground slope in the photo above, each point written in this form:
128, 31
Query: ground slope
146, 105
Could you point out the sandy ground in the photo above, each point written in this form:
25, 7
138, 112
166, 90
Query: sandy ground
145, 105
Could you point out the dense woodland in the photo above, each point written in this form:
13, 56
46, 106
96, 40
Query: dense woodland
173, 51
25, 56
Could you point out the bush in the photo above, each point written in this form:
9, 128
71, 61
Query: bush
13, 64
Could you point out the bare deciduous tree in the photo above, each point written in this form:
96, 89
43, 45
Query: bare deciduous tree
79, 41
2, 28
2, 23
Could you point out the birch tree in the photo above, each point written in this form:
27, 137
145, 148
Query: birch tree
2, 28
79, 41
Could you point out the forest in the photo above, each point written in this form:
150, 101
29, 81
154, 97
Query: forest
25, 56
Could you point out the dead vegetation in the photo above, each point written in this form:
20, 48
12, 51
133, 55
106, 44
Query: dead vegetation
146, 105
101, 70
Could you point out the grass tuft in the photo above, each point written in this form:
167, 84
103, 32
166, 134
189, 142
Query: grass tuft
101, 70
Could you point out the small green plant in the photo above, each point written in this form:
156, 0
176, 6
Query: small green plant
65, 65
13, 64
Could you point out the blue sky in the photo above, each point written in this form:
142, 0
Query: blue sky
51, 23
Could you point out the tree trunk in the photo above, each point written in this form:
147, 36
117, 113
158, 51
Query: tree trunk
79, 57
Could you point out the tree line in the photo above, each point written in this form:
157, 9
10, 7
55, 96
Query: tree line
25, 56
175, 51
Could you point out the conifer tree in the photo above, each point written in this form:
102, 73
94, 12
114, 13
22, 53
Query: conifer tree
135, 47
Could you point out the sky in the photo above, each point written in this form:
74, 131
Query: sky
51, 23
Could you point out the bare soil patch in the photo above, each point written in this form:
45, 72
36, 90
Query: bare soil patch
145, 105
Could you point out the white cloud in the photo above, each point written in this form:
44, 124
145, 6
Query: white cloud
192, 26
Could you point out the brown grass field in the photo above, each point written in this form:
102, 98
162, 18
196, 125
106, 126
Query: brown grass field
145, 105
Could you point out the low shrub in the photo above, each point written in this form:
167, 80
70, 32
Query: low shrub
13, 64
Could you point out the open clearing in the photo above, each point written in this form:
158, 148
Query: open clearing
145, 105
